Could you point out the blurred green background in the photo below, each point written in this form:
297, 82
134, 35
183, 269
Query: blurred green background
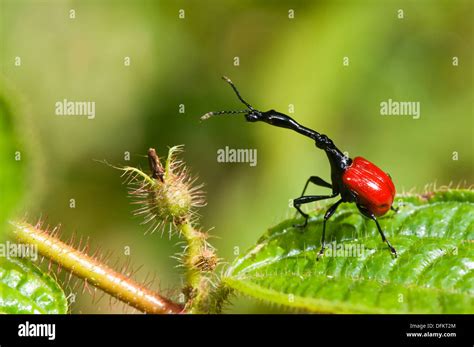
177, 61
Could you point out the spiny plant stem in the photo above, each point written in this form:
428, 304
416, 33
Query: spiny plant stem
193, 250
196, 278
94, 271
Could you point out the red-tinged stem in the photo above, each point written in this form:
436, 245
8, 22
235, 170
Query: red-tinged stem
95, 272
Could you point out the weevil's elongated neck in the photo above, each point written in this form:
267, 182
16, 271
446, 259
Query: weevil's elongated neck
337, 159
282, 120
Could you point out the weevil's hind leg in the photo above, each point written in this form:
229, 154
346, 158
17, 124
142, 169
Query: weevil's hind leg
367, 213
395, 209
306, 200
327, 215
384, 239
370, 215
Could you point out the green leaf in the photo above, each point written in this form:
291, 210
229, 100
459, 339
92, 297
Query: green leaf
433, 273
24, 289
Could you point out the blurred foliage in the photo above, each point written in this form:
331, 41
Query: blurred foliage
179, 61
12, 172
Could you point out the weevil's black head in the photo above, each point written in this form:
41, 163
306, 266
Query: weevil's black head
253, 115
324, 142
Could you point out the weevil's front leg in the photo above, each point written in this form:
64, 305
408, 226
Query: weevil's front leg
318, 181
306, 200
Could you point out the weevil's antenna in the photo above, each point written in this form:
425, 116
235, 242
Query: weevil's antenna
227, 79
210, 114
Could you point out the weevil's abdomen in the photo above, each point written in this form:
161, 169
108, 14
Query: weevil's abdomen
372, 187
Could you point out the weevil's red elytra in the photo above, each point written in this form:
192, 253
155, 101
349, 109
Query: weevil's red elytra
373, 187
